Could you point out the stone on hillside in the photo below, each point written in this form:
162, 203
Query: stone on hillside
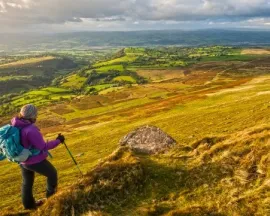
147, 140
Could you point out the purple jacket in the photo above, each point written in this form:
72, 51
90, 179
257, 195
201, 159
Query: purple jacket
31, 137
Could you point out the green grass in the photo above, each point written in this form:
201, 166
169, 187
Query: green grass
109, 90
73, 82
178, 63
38, 92
125, 59
56, 90
125, 78
42, 96
101, 87
110, 67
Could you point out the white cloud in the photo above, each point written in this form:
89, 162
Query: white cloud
28, 13
2, 7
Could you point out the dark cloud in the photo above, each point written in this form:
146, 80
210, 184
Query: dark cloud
26, 13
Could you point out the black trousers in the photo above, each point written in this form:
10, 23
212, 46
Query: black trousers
44, 168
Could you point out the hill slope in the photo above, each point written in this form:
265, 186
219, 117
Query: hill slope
215, 176
219, 115
30, 73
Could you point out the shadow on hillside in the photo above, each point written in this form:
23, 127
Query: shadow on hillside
26, 213
109, 184
126, 183
164, 183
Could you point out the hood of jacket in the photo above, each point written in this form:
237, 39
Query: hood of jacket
20, 123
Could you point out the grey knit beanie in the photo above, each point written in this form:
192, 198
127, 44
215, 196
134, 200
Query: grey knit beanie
29, 111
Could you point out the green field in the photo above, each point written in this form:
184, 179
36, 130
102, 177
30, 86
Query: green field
127, 58
42, 96
73, 82
101, 87
111, 67
125, 78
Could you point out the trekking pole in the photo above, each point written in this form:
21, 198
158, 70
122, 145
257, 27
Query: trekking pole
73, 158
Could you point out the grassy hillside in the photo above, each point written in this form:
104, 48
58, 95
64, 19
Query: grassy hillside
218, 112
29, 73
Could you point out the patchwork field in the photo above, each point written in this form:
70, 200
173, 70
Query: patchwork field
43, 96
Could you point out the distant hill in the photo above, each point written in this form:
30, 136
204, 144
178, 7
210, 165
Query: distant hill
134, 38
29, 73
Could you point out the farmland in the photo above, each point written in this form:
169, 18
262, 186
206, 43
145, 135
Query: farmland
181, 68
214, 101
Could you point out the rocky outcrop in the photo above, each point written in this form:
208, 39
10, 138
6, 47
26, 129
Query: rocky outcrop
148, 140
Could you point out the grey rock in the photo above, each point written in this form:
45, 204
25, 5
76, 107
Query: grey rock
148, 140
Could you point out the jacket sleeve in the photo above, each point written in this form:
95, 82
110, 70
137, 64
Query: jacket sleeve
36, 140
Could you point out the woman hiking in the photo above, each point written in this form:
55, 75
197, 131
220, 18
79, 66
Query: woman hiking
32, 138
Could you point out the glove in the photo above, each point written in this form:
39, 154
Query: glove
61, 138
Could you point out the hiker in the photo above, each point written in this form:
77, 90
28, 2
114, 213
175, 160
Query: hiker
32, 138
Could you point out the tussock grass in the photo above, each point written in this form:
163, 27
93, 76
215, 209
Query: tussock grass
229, 177
212, 180
109, 184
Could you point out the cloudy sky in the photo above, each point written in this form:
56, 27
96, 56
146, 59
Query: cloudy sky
107, 15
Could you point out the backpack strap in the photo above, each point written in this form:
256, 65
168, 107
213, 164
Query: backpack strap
5, 134
34, 151
2, 157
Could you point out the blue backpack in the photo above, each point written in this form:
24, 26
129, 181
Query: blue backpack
10, 145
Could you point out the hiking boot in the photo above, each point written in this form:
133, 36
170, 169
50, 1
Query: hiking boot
40, 202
